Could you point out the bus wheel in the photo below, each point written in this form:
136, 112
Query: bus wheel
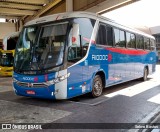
145, 74
97, 87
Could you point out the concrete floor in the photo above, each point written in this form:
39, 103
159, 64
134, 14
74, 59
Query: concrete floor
131, 102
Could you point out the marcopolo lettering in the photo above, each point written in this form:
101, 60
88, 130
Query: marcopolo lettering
99, 57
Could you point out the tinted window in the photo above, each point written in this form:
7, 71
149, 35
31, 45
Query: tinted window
146, 44
119, 38
102, 35
140, 42
152, 44
109, 36
122, 39
116, 37
105, 35
130, 39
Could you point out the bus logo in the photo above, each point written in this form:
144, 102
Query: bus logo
28, 78
99, 57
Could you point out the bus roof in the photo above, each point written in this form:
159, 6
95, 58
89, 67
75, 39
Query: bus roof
66, 15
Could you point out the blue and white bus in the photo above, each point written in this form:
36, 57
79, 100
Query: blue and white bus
69, 54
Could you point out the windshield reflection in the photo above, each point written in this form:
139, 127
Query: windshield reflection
41, 48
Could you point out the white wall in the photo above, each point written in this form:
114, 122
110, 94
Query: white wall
155, 30
144, 29
6, 28
151, 30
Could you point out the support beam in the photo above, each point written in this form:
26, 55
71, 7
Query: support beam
10, 17
38, 2
16, 12
19, 6
22, 18
109, 5
46, 8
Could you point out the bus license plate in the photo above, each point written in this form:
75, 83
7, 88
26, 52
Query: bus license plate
31, 92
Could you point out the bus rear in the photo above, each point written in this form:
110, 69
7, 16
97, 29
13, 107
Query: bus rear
7, 54
6, 63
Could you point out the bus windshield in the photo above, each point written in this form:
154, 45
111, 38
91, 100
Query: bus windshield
7, 59
41, 47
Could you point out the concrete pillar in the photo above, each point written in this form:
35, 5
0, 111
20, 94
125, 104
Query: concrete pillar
69, 5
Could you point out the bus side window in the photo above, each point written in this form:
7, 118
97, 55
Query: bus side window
119, 38
130, 39
101, 35
105, 35
146, 44
152, 44
122, 39
85, 31
140, 42
109, 35
116, 37
133, 41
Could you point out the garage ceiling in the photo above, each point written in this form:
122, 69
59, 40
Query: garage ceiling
21, 9
11, 9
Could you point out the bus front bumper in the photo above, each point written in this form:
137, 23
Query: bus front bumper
38, 92
43, 86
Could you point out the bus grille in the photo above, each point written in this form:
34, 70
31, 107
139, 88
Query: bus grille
31, 85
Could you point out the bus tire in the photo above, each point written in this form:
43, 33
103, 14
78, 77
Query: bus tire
145, 74
97, 87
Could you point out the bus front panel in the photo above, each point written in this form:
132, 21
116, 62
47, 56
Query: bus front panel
49, 86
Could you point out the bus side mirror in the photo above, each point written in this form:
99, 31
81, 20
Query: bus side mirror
75, 35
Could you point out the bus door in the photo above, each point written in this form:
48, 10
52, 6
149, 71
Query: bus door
81, 32
105, 52
87, 70
75, 70
75, 79
120, 55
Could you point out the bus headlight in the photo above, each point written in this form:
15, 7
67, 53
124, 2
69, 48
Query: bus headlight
58, 79
61, 78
